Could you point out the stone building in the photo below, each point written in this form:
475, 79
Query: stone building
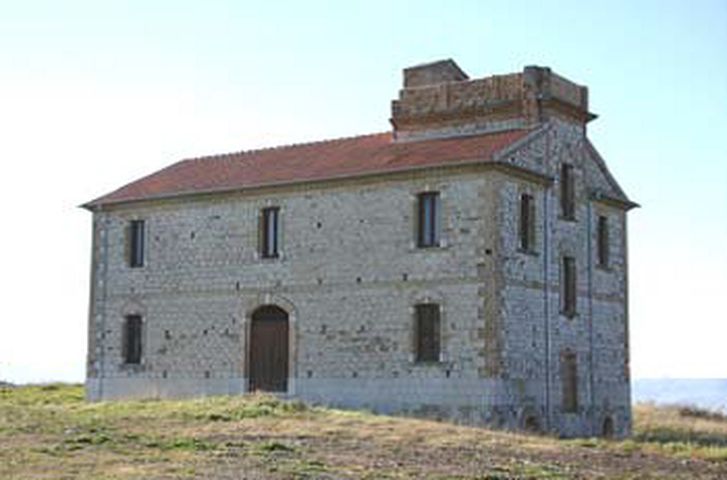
470, 264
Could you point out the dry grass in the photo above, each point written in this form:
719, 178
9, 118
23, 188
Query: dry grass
50, 432
684, 431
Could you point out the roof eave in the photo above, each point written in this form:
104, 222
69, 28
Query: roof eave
95, 205
90, 206
624, 204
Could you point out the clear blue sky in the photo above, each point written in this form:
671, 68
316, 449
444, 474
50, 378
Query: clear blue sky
94, 94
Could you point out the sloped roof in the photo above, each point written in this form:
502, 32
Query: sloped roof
332, 159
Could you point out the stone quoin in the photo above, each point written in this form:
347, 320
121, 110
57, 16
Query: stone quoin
469, 265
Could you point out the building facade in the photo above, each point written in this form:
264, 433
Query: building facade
469, 265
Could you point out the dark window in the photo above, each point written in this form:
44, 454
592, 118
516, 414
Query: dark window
270, 232
568, 286
527, 223
136, 243
132, 339
567, 192
428, 221
427, 332
570, 383
603, 243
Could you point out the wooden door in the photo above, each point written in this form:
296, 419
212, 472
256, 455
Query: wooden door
268, 360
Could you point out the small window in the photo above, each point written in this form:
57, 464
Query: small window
428, 221
270, 232
603, 242
570, 383
132, 340
427, 332
135, 242
567, 192
527, 223
568, 286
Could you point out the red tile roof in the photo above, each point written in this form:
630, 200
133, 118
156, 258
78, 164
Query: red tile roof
347, 157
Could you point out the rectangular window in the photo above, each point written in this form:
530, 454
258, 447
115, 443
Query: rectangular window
567, 192
132, 339
270, 232
428, 221
568, 286
570, 383
603, 241
527, 223
136, 243
427, 333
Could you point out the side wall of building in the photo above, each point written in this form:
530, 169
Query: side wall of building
349, 276
538, 333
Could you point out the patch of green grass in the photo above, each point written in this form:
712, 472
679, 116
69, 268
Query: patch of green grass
262, 406
587, 442
35, 395
274, 446
191, 444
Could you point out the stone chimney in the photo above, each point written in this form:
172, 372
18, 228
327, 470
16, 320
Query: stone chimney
440, 100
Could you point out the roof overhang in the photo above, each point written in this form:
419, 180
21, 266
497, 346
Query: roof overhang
613, 201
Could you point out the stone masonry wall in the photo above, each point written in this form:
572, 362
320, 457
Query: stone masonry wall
349, 276
460, 106
540, 332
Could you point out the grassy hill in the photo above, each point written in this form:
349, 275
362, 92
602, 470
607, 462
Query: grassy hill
50, 432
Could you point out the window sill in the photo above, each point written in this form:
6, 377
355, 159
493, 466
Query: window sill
276, 259
604, 268
434, 248
132, 367
427, 363
532, 253
568, 219
569, 315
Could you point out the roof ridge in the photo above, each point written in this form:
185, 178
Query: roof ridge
231, 155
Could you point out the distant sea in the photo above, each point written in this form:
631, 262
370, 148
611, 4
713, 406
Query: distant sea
704, 393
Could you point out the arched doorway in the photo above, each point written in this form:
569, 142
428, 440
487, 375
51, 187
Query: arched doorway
531, 424
268, 350
607, 430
